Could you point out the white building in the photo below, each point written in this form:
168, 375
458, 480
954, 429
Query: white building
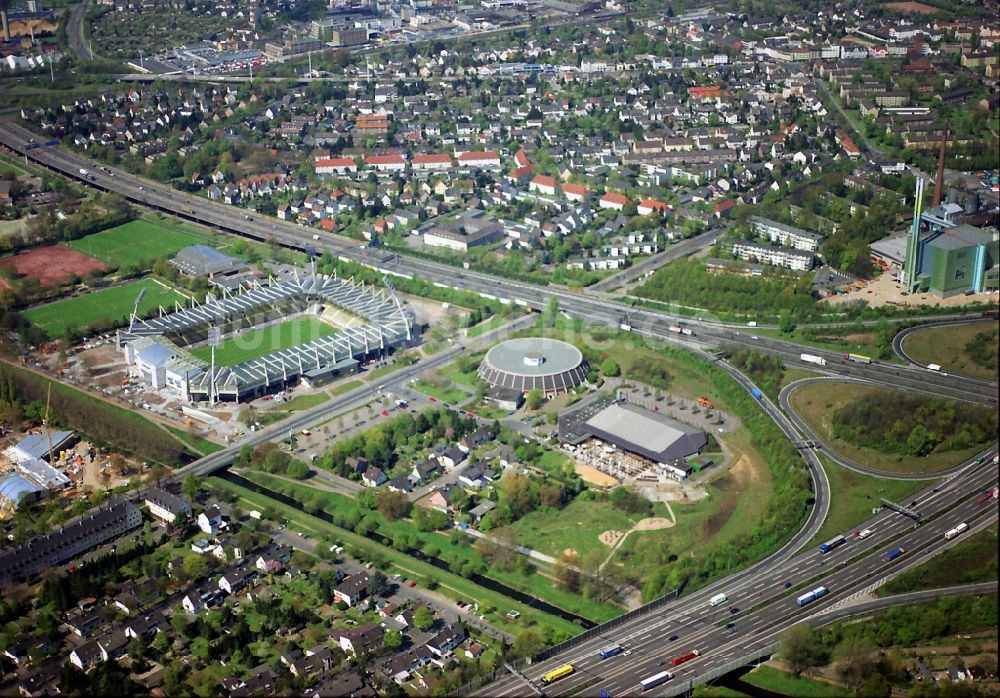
787, 257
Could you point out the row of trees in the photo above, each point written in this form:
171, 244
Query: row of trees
105, 424
687, 282
913, 424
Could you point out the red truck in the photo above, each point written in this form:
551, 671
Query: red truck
677, 661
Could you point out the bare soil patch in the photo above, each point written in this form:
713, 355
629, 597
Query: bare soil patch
654, 523
52, 265
909, 7
609, 538
594, 476
732, 484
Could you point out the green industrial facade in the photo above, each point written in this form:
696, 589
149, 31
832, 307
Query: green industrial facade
955, 260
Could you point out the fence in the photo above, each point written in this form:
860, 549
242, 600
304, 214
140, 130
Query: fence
605, 627
685, 688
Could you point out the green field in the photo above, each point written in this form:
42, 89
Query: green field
576, 526
945, 346
853, 496
256, 343
816, 403
453, 585
447, 394
107, 305
973, 560
138, 243
778, 681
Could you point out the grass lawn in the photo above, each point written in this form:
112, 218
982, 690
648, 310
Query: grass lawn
203, 446
973, 560
771, 679
853, 495
401, 360
138, 242
453, 373
575, 526
345, 387
816, 404
452, 585
112, 304
256, 343
305, 402
705, 691
444, 393
490, 323
945, 346
534, 584
12, 227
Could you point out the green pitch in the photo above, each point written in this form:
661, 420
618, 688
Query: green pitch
256, 343
102, 307
138, 242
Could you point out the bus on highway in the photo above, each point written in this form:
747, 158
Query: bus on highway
611, 651
655, 680
556, 674
831, 544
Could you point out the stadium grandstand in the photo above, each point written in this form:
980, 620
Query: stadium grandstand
160, 346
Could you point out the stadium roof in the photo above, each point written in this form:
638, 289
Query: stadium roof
387, 326
647, 433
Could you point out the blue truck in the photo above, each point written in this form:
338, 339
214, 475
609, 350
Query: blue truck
893, 554
611, 651
811, 596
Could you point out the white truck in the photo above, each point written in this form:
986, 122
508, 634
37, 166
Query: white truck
813, 359
718, 600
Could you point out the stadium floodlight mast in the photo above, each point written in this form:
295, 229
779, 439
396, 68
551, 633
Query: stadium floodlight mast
213, 341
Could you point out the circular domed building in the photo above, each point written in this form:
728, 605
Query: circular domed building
524, 364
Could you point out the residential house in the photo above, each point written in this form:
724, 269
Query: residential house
145, 626
451, 457
425, 471
238, 579
475, 439
474, 476
210, 520
166, 506
361, 640
373, 476
615, 202
402, 665
450, 637
353, 590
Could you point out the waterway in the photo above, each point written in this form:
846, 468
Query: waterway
487, 582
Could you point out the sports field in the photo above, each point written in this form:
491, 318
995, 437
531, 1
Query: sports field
108, 304
255, 343
137, 242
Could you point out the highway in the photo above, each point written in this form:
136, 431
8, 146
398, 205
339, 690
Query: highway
575, 302
689, 618
765, 598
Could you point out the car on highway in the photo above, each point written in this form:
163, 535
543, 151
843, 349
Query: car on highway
731, 627
734, 609
671, 638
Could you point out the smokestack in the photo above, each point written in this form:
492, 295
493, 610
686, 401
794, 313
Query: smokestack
6, 25
939, 180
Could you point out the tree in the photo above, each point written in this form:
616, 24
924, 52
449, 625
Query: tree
392, 505
798, 648
534, 399
499, 548
392, 640
190, 486
423, 618
610, 368
528, 643
378, 585
855, 660
195, 566
566, 570
518, 494
297, 469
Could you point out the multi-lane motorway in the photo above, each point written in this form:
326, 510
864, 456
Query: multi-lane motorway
764, 598
759, 588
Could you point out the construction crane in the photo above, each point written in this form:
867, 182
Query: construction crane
135, 309
45, 421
